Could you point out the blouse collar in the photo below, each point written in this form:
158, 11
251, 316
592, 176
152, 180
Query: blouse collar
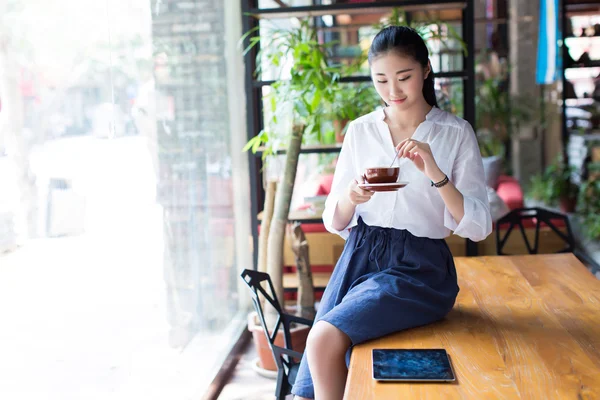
431, 115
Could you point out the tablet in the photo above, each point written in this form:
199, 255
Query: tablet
410, 365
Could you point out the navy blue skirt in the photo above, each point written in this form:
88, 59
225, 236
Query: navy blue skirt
385, 281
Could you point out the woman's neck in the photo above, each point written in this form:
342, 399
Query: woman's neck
409, 118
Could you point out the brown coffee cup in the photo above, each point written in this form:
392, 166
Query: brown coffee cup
381, 175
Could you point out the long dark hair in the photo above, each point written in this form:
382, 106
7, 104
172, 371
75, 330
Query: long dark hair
406, 41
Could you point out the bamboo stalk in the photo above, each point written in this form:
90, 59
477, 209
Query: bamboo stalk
283, 198
265, 225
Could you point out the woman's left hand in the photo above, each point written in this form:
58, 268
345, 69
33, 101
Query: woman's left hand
420, 154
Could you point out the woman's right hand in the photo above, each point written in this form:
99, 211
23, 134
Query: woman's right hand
356, 195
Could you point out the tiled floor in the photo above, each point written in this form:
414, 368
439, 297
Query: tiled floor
247, 384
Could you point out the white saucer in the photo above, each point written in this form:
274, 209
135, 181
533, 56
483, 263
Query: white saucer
383, 184
383, 187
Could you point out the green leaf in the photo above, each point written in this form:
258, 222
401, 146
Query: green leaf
252, 143
253, 40
316, 101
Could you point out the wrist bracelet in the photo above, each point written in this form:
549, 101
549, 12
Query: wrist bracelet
441, 183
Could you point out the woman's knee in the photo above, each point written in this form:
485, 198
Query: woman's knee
325, 339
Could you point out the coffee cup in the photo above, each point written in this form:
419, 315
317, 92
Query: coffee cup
381, 175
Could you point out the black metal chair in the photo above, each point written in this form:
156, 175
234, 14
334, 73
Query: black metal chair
287, 367
539, 216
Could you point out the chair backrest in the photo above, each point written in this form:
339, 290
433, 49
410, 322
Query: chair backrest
284, 356
537, 218
257, 282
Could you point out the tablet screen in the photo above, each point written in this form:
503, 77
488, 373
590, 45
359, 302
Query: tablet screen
411, 365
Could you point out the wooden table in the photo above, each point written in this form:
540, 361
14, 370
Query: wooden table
523, 327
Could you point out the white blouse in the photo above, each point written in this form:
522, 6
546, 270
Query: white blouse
418, 207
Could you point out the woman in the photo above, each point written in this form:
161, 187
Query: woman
396, 271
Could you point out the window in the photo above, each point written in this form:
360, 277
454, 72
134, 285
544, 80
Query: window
124, 208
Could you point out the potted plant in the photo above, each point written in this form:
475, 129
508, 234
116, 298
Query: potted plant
588, 203
564, 191
295, 102
498, 113
586, 224
351, 101
554, 187
567, 191
539, 192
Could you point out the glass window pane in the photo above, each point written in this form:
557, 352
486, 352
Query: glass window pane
351, 101
126, 195
349, 35
450, 92
312, 178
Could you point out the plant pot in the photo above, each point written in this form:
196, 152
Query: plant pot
265, 373
299, 335
568, 204
338, 128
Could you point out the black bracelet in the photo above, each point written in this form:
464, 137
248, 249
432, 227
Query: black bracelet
441, 183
